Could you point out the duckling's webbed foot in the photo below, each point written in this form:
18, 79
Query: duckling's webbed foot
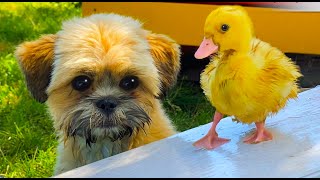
261, 134
211, 140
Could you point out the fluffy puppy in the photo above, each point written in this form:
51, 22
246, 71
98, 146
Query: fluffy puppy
101, 77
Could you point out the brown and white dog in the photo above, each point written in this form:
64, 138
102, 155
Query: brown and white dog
101, 77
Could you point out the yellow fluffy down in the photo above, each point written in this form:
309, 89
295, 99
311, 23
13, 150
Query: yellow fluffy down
250, 82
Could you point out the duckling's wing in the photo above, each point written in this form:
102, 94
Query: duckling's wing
277, 72
274, 61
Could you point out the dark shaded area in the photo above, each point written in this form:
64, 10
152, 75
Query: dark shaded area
308, 63
190, 66
310, 68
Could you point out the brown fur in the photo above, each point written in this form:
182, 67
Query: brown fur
35, 59
162, 49
106, 48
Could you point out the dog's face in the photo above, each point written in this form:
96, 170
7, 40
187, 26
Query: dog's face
100, 75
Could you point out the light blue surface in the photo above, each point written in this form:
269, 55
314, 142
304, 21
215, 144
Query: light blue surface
294, 152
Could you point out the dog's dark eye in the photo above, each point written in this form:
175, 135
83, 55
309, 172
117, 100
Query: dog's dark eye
81, 83
129, 83
224, 27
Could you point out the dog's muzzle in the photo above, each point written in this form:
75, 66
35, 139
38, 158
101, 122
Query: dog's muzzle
114, 117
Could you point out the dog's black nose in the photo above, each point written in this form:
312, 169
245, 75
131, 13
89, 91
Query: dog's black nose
107, 105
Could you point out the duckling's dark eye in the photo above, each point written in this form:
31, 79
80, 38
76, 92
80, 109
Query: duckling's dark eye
81, 83
129, 83
224, 27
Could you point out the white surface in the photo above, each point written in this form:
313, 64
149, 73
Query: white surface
294, 152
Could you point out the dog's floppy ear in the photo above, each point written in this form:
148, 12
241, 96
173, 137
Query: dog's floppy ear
166, 54
35, 59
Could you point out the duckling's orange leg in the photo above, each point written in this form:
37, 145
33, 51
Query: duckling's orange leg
260, 135
211, 140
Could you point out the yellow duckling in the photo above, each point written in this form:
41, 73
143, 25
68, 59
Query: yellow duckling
246, 78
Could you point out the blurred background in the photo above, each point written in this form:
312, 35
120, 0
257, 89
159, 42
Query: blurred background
28, 142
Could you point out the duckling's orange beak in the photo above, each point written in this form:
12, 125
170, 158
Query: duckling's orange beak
207, 47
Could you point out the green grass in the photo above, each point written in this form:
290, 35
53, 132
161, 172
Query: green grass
28, 143
187, 106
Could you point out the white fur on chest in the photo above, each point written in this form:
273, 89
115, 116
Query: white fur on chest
75, 152
101, 149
